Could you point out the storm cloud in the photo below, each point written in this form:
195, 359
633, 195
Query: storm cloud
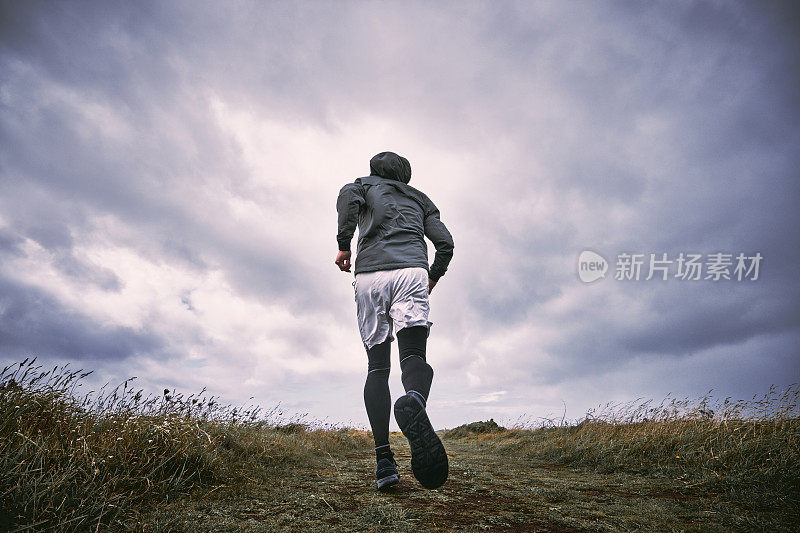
169, 170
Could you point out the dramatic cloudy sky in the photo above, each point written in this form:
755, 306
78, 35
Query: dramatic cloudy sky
169, 171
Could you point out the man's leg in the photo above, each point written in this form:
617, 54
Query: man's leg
379, 405
417, 373
377, 398
428, 456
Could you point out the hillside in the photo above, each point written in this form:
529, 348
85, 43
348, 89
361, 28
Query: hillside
119, 461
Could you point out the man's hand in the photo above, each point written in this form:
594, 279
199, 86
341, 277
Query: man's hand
431, 285
343, 261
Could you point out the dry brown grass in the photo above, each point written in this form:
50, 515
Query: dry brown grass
119, 460
749, 449
72, 463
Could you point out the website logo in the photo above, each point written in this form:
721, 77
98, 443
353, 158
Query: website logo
685, 266
591, 266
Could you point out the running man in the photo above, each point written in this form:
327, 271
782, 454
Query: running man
392, 285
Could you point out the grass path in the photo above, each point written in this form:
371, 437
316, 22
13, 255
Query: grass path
119, 460
485, 492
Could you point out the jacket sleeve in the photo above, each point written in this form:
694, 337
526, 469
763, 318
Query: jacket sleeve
437, 232
348, 205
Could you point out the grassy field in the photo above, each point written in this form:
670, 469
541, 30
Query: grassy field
120, 461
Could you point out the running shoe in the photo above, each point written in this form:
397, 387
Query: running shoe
386, 472
428, 456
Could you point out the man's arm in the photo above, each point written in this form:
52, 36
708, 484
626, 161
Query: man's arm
437, 232
348, 206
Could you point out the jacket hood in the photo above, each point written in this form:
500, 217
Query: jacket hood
391, 166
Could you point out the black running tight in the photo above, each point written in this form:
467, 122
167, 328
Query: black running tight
417, 375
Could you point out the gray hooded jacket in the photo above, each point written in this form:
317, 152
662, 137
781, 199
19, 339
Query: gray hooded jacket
393, 220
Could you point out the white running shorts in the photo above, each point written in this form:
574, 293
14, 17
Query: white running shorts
388, 297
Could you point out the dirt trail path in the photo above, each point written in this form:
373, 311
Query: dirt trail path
485, 492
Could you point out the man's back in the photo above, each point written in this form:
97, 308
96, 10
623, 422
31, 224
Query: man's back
393, 220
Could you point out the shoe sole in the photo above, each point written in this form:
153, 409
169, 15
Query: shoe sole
428, 456
386, 482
